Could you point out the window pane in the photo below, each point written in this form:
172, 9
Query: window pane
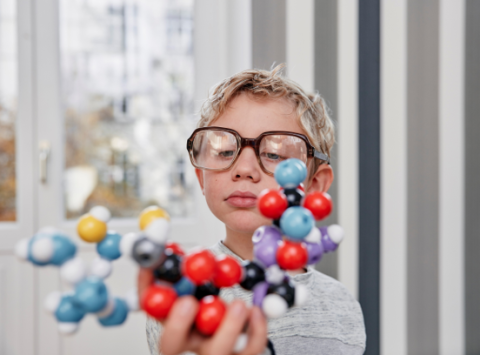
8, 108
127, 74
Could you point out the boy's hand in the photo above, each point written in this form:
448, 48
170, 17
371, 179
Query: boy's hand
178, 336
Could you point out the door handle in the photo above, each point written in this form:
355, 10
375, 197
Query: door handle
44, 148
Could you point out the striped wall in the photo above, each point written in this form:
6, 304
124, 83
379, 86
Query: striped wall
402, 79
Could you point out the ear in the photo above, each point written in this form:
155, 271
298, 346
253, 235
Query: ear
199, 174
321, 180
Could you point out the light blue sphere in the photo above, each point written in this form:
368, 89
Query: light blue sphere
290, 173
91, 294
296, 222
109, 247
118, 316
184, 287
63, 249
68, 310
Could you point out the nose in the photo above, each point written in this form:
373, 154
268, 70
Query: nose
246, 166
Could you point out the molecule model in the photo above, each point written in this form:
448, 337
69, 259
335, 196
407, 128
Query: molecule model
88, 294
200, 273
291, 242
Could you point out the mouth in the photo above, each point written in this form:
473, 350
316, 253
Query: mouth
242, 199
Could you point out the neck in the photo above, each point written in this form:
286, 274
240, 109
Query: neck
240, 243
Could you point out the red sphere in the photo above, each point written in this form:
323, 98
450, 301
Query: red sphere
199, 266
291, 255
176, 249
272, 203
210, 314
227, 272
157, 301
319, 203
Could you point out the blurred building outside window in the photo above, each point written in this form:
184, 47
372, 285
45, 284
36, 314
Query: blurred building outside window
8, 109
127, 84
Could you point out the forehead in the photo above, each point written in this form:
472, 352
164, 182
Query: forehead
251, 116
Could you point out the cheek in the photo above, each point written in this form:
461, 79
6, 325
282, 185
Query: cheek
213, 188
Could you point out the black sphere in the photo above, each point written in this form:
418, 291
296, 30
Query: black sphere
147, 253
252, 275
206, 289
285, 290
170, 270
294, 196
276, 222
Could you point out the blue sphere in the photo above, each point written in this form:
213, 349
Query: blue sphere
296, 222
184, 287
91, 294
290, 173
69, 311
118, 316
109, 247
63, 249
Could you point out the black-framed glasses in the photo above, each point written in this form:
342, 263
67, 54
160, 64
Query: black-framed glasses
217, 148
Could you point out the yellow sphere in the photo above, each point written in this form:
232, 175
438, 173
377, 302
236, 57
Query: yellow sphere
91, 229
151, 213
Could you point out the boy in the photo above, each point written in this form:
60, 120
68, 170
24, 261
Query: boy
247, 105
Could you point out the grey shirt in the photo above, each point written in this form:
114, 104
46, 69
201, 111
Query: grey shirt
330, 323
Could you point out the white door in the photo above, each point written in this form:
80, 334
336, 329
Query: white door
116, 87
17, 208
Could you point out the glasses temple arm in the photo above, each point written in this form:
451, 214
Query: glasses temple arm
321, 156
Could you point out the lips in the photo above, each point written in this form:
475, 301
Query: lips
242, 199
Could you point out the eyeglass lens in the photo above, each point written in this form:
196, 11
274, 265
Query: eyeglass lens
217, 150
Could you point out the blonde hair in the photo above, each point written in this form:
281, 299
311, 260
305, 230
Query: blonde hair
312, 113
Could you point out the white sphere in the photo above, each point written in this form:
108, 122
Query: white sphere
336, 233
274, 275
73, 271
132, 300
157, 230
21, 249
240, 343
67, 328
314, 236
101, 268
52, 301
107, 310
101, 213
274, 306
301, 295
42, 249
126, 244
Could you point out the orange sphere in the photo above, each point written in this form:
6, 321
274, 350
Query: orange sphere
91, 229
151, 213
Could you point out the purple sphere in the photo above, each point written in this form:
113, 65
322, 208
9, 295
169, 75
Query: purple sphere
265, 251
315, 252
266, 232
328, 245
259, 293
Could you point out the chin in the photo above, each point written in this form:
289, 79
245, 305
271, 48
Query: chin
245, 221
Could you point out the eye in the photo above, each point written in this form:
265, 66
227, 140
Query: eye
226, 153
273, 156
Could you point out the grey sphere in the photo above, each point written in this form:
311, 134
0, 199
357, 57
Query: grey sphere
147, 253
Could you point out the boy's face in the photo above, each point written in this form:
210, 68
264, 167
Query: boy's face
225, 191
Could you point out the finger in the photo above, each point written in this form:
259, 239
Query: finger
144, 280
232, 324
257, 333
178, 325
